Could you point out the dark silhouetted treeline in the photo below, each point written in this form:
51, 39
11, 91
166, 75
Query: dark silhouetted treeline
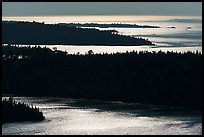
13, 111
55, 34
114, 25
172, 79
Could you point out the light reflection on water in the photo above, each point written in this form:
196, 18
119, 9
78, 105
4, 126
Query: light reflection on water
66, 116
99, 18
179, 39
115, 49
73, 49
62, 118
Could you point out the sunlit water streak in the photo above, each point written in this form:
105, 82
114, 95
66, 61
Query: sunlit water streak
179, 39
63, 118
74, 49
98, 18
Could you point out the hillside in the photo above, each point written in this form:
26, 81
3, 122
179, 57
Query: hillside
27, 33
147, 77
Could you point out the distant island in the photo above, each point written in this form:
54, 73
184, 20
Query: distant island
171, 27
32, 33
19, 112
113, 25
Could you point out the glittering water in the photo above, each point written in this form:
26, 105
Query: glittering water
69, 116
65, 116
187, 35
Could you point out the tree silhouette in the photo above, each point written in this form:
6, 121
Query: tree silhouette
90, 52
18, 112
161, 78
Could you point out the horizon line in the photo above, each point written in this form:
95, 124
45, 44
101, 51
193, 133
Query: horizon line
96, 15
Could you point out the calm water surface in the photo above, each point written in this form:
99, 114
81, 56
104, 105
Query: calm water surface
69, 116
179, 39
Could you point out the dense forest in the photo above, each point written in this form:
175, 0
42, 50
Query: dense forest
54, 34
160, 78
13, 111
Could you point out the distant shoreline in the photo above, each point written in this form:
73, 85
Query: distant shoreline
112, 25
35, 33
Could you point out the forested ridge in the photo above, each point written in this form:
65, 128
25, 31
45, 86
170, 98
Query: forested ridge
27, 33
113, 25
172, 79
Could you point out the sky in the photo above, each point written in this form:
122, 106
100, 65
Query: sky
101, 8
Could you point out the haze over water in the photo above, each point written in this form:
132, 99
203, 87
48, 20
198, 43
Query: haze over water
186, 36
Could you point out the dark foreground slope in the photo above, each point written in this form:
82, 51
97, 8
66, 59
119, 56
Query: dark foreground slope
172, 79
54, 34
18, 112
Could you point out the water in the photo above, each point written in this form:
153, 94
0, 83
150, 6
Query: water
179, 39
66, 116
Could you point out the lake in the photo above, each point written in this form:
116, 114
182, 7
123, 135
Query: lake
67, 116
